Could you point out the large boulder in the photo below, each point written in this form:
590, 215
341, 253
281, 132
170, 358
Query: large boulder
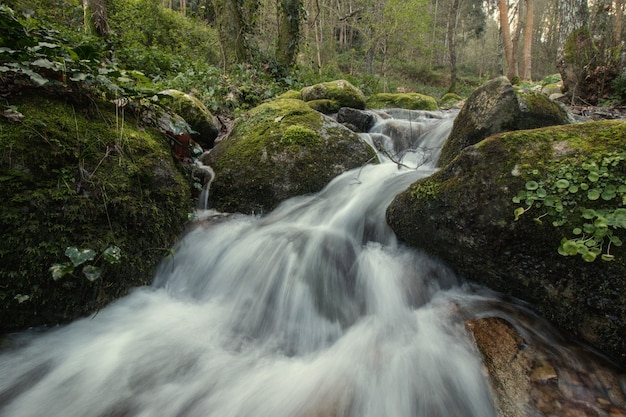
279, 150
342, 92
71, 178
204, 125
563, 254
495, 107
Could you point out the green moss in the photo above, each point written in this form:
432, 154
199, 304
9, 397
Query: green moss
78, 174
279, 150
410, 101
291, 94
343, 92
325, 106
449, 99
301, 136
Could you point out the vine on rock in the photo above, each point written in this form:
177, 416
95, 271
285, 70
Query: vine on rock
588, 197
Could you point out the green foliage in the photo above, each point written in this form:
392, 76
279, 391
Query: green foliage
588, 198
78, 257
53, 59
158, 41
619, 87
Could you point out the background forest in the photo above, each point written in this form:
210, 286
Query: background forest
233, 54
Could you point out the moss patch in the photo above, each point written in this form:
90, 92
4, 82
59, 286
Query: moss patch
278, 150
341, 91
80, 174
410, 101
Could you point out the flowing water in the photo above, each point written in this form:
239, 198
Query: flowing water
312, 310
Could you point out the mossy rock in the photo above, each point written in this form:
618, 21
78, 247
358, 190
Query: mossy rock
75, 174
409, 101
496, 107
325, 106
291, 94
279, 150
342, 91
538, 110
199, 118
449, 100
464, 214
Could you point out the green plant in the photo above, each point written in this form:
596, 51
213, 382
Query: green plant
588, 197
78, 257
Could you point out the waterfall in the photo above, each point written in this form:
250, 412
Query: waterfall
312, 310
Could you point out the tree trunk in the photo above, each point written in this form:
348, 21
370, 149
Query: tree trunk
619, 11
507, 43
288, 32
231, 27
452, 44
95, 17
528, 41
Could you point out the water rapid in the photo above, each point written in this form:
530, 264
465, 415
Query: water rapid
312, 310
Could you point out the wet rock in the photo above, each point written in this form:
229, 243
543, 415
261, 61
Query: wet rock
530, 378
495, 107
279, 150
465, 215
362, 121
204, 125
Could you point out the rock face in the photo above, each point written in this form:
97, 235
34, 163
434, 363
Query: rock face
357, 120
341, 91
194, 113
465, 215
71, 178
495, 107
279, 150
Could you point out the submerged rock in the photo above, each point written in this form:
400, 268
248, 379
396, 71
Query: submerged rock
279, 150
552, 180
495, 107
531, 378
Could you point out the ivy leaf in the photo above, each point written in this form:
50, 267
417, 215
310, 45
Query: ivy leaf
112, 254
61, 270
92, 272
79, 256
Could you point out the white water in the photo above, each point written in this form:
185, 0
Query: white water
312, 310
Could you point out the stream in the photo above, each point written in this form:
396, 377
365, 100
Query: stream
314, 309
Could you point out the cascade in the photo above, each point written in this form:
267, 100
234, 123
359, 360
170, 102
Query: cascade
312, 310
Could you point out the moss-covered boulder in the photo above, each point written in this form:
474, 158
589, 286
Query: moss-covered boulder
341, 91
495, 107
76, 175
291, 94
449, 100
199, 118
566, 186
325, 106
279, 150
409, 101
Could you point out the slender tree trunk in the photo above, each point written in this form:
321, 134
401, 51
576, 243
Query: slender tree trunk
95, 17
452, 43
182, 5
619, 11
232, 34
507, 43
528, 41
288, 32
